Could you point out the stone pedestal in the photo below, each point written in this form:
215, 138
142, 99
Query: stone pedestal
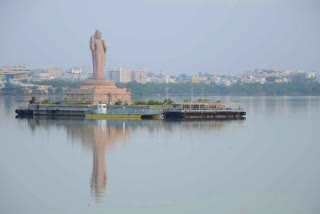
96, 91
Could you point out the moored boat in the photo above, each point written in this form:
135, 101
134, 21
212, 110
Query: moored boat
104, 111
204, 110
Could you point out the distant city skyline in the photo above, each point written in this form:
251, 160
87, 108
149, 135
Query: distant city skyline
171, 37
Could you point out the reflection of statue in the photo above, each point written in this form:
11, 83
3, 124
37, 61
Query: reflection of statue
104, 137
99, 174
101, 135
99, 49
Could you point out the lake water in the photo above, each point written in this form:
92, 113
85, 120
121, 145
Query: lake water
268, 163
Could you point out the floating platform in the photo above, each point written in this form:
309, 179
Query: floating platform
202, 114
178, 111
53, 110
111, 112
123, 112
203, 110
121, 117
112, 117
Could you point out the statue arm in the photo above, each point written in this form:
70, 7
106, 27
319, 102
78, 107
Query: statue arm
104, 46
92, 46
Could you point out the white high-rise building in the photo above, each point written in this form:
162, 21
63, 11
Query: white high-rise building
119, 75
139, 75
126, 75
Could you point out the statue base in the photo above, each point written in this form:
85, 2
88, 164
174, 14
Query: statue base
99, 91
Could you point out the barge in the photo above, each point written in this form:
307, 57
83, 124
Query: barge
205, 110
177, 111
53, 110
104, 111
100, 111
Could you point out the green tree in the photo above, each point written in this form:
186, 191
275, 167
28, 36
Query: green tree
32, 100
46, 101
271, 79
298, 85
139, 102
203, 100
168, 101
119, 102
80, 101
299, 78
158, 103
50, 89
185, 100
59, 89
151, 102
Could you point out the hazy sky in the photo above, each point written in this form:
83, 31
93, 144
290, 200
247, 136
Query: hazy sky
169, 36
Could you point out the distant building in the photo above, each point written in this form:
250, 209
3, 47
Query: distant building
43, 87
126, 75
215, 79
311, 75
14, 73
169, 79
45, 73
278, 81
228, 83
288, 72
183, 78
53, 72
120, 75
286, 80
139, 75
148, 79
75, 70
195, 79
113, 75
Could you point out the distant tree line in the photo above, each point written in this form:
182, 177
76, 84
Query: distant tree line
148, 89
11, 88
299, 85
167, 101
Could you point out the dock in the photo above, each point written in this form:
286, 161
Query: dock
176, 114
177, 111
54, 110
89, 111
203, 111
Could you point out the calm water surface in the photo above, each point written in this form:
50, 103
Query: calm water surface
268, 163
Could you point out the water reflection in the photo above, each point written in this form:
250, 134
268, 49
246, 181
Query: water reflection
216, 160
100, 136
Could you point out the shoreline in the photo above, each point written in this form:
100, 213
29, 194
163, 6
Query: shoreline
172, 95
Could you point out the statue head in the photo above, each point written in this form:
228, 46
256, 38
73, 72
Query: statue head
98, 34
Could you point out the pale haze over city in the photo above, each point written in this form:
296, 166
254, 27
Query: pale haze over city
171, 37
159, 106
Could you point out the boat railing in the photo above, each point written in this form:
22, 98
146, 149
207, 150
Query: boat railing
127, 111
205, 110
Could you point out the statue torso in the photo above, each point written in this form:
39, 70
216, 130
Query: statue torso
99, 46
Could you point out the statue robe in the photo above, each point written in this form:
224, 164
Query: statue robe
99, 49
